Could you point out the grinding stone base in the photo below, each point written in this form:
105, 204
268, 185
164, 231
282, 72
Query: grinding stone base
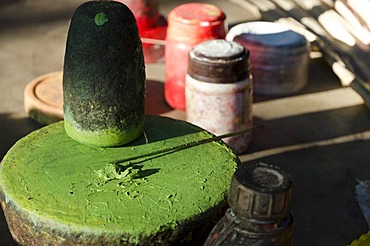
55, 213
28, 229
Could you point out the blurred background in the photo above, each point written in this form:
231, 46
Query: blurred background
320, 135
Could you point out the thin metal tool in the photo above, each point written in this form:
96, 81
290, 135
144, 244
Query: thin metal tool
188, 145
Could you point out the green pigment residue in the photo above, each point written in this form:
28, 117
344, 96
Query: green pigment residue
104, 138
100, 19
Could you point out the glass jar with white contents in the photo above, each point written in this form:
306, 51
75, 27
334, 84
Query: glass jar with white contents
218, 90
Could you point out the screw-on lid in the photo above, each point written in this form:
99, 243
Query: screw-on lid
219, 61
192, 23
272, 45
260, 191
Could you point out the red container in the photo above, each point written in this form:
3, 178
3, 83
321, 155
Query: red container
188, 25
152, 27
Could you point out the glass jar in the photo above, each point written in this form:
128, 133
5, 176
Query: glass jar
259, 214
279, 56
219, 91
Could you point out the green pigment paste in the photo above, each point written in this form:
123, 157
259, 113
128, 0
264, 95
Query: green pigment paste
56, 178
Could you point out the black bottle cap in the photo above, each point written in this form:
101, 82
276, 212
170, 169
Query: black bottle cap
260, 191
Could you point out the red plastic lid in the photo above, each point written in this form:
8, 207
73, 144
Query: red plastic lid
194, 22
197, 14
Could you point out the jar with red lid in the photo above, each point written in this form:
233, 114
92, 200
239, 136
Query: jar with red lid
188, 25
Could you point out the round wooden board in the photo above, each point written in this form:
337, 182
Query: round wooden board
43, 98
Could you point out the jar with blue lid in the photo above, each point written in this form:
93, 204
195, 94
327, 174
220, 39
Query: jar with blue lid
279, 56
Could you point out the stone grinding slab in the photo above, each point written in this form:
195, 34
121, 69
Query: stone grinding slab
57, 191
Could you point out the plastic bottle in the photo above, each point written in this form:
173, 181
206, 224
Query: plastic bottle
188, 25
364, 240
279, 56
259, 214
152, 27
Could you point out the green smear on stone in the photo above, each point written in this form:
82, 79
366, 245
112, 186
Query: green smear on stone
100, 19
104, 138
